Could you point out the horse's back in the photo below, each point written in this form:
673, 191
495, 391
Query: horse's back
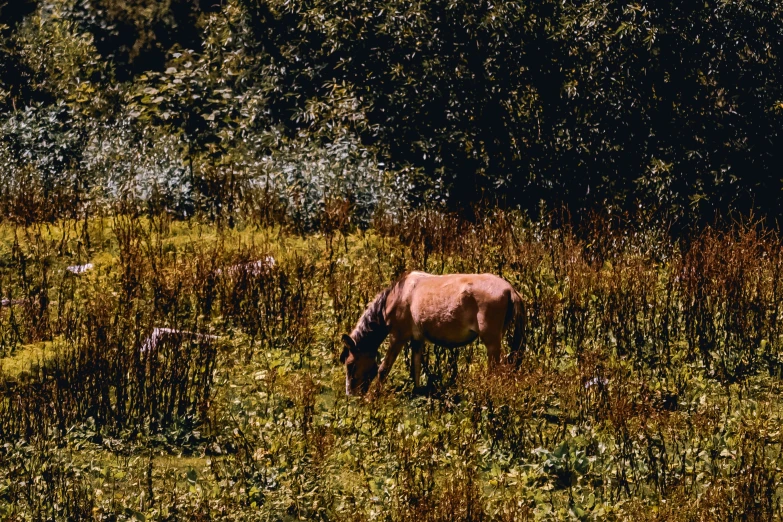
483, 287
454, 308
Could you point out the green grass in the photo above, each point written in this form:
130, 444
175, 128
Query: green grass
26, 357
667, 438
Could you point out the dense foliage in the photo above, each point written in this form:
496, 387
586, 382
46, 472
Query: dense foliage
675, 107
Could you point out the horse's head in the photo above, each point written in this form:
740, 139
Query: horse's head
360, 366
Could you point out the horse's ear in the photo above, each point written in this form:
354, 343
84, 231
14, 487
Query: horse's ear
349, 345
348, 342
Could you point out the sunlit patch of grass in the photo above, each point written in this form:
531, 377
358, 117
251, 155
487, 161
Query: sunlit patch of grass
104, 260
26, 357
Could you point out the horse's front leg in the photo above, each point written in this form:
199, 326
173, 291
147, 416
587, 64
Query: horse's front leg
388, 360
417, 348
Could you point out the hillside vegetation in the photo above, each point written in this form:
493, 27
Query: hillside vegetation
649, 387
673, 107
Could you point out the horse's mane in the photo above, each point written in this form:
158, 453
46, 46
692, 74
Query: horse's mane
372, 323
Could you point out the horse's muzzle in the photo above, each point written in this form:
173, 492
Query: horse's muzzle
364, 386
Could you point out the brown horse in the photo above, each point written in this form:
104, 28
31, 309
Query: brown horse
447, 310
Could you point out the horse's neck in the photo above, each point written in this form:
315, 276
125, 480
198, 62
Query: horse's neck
372, 325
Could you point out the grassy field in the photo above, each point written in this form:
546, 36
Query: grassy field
649, 388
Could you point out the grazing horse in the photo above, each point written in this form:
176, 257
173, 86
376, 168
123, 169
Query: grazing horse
447, 310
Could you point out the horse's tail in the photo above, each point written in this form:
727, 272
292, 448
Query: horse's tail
515, 315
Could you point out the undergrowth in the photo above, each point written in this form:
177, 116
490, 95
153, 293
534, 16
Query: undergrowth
648, 388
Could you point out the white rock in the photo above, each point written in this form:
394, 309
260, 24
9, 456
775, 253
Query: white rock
158, 334
4, 302
253, 268
80, 269
595, 381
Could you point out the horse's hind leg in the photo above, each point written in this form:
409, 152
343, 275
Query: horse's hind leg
417, 348
493, 343
490, 323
